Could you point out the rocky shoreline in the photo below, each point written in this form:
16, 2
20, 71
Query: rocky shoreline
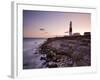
69, 51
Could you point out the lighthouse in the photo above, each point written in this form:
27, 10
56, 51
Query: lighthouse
70, 28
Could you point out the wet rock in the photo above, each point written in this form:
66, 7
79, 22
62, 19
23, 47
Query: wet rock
43, 58
52, 65
44, 63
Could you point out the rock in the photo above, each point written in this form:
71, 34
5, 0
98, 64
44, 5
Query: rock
51, 54
76, 55
52, 65
43, 58
81, 63
67, 51
44, 63
70, 62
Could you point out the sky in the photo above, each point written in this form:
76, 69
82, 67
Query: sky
45, 24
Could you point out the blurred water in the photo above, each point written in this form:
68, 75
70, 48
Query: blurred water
31, 56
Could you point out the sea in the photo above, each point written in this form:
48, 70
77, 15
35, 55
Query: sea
31, 55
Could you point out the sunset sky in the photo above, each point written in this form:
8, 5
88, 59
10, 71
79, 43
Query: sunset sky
46, 24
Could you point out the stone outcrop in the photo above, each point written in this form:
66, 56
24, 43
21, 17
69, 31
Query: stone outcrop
67, 51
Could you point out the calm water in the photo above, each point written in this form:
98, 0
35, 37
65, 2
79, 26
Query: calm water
31, 56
